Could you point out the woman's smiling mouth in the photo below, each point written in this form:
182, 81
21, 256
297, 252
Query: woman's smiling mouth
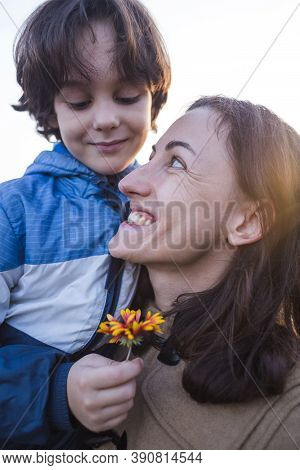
140, 218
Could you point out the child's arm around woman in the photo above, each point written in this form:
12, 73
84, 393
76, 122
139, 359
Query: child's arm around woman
41, 388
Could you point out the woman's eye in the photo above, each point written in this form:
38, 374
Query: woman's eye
177, 163
128, 99
79, 105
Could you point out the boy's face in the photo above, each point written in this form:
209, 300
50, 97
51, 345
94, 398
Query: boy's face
103, 122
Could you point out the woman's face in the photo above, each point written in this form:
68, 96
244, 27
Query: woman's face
183, 199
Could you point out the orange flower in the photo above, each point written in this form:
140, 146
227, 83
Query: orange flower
130, 331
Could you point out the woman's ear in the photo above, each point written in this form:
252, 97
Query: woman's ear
245, 227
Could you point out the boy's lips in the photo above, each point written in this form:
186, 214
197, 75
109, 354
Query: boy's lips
109, 146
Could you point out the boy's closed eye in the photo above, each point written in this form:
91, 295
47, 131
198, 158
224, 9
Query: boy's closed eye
78, 97
74, 98
80, 105
127, 99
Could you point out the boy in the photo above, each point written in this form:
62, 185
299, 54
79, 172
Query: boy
94, 74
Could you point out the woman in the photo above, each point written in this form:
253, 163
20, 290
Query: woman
215, 219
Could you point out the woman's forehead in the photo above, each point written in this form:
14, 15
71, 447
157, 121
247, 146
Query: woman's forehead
198, 128
197, 124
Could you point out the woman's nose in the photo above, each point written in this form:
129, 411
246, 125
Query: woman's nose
105, 117
136, 183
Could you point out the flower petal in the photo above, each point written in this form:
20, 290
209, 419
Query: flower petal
136, 327
130, 319
118, 331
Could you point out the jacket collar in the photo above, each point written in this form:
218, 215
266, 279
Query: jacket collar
59, 162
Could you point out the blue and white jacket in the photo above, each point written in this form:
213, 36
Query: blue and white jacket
57, 281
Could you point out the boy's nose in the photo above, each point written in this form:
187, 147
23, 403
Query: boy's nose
105, 118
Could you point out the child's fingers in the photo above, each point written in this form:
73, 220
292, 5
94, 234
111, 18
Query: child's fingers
112, 412
95, 360
97, 393
121, 373
116, 395
113, 423
98, 419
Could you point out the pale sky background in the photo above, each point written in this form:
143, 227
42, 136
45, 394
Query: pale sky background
214, 46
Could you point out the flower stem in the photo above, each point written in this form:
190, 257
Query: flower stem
129, 352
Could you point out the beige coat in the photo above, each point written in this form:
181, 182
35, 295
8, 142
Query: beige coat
165, 417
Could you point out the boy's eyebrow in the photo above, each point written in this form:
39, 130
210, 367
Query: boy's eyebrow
85, 82
70, 83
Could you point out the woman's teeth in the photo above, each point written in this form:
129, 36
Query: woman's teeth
135, 218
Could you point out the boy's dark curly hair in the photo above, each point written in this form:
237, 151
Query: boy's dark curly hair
46, 53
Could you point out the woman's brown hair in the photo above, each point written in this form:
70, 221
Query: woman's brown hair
46, 53
240, 339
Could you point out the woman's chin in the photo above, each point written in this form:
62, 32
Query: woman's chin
117, 249
129, 244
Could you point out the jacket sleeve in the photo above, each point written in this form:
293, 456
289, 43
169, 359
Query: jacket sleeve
33, 376
11, 265
33, 396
